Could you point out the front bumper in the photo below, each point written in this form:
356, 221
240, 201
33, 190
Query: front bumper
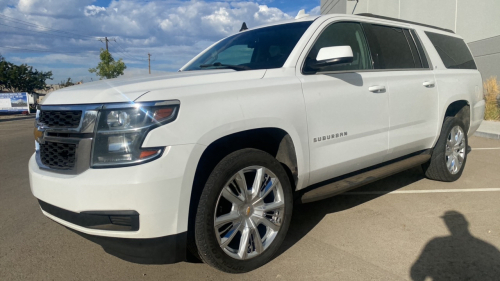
159, 191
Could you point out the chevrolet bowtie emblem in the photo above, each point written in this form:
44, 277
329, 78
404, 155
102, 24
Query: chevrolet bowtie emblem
38, 135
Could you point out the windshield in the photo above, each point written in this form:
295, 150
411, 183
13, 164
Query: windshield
262, 48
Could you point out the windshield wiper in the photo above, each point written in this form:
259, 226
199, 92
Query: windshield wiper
235, 67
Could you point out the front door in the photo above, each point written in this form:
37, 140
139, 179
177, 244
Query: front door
347, 107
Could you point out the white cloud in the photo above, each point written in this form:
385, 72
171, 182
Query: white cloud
316, 11
172, 30
60, 8
268, 15
92, 10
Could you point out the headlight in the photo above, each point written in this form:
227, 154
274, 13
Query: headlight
121, 131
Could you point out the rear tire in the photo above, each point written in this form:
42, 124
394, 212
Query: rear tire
450, 153
238, 230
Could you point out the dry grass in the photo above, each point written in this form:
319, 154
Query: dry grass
491, 91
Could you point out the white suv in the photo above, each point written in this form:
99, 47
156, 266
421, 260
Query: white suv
210, 160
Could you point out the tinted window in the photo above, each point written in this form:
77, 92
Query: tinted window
262, 48
237, 55
414, 53
389, 47
343, 34
453, 51
421, 52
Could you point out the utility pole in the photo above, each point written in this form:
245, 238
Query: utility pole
149, 62
106, 40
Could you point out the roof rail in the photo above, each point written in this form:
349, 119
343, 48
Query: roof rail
403, 21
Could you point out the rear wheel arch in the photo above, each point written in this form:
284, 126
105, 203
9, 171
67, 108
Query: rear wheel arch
461, 110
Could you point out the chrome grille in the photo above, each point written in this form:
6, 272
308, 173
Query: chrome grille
63, 137
61, 119
59, 156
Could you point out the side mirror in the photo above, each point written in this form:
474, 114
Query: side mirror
332, 56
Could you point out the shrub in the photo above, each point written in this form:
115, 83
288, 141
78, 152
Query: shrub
491, 91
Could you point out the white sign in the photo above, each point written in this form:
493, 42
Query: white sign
14, 102
5, 103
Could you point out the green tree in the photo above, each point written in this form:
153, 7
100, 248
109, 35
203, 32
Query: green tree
108, 68
22, 78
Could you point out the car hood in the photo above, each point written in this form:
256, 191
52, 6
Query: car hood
127, 89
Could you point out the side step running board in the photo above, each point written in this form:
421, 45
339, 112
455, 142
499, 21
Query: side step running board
347, 184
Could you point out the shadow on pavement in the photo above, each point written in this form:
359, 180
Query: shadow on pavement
459, 256
161, 250
307, 216
17, 118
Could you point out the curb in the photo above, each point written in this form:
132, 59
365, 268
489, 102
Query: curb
487, 135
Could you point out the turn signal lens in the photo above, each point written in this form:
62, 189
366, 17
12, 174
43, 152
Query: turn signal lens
162, 113
148, 153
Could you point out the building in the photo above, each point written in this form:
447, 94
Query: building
477, 21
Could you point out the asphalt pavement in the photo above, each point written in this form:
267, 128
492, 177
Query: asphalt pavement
404, 227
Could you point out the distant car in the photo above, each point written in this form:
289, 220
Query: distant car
210, 159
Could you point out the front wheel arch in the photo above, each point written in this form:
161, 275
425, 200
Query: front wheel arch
275, 141
231, 168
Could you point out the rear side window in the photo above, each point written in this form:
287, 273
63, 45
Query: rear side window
389, 47
453, 51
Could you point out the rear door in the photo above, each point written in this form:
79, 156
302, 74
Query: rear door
411, 85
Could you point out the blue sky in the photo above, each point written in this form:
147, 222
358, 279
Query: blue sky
62, 35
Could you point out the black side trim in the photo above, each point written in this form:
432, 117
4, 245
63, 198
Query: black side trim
105, 220
362, 179
403, 21
162, 250
363, 171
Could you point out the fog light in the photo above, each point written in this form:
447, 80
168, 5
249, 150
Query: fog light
118, 144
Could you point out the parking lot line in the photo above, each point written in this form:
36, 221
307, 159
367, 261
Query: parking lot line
495, 148
424, 191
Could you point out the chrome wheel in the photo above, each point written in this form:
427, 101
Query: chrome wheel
455, 150
249, 212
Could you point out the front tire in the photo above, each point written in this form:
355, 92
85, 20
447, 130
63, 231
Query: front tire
450, 153
244, 212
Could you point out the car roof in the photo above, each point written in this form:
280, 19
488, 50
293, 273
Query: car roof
287, 21
404, 21
357, 16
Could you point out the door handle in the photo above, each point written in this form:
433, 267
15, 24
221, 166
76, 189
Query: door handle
377, 89
429, 84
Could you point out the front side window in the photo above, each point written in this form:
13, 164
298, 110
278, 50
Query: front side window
263, 48
453, 51
342, 34
389, 47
